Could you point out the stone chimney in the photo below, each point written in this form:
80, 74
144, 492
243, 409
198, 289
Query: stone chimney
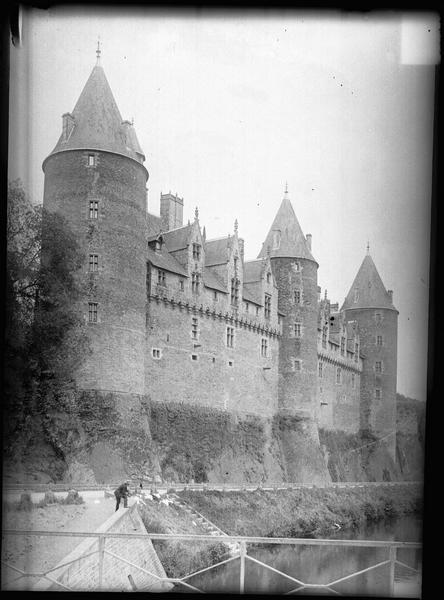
308, 238
171, 211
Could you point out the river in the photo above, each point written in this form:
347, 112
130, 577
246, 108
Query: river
323, 564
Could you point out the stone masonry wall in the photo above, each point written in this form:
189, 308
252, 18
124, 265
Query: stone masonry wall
117, 237
233, 379
83, 573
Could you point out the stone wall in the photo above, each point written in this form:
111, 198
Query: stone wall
83, 573
117, 237
204, 370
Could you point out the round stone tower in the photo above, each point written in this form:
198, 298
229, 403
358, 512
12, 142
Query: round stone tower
95, 178
371, 305
295, 272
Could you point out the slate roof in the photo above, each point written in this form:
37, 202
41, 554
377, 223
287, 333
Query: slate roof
152, 225
98, 122
253, 270
249, 295
213, 281
292, 242
165, 261
216, 251
177, 239
371, 290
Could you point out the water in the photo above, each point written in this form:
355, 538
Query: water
325, 564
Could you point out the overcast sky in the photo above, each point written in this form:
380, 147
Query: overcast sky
230, 107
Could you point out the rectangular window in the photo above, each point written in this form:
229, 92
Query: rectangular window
194, 328
356, 352
378, 394
235, 291
93, 209
194, 357
230, 337
196, 251
181, 285
379, 340
320, 368
264, 347
378, 317
353, 380
156, 353
267, 306
338, 375
324, 337
247, 306
378, 367
91, 160
195, 282
257, 311
297, 297
93, 262
297, 330
160, 277
342, 346
92, 312
297, 366
214, 296
230, 363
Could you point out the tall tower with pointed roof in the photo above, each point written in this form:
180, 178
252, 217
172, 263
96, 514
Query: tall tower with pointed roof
295, 273
95, 178
371, 306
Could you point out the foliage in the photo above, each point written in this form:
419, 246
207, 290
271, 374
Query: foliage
191, 438
45, 334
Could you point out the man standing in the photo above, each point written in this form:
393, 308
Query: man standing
122, 492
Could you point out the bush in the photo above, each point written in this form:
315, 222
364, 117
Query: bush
73, 498
25, 502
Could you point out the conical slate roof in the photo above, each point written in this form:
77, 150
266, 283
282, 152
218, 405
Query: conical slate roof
285, 238
367, 290
97, 122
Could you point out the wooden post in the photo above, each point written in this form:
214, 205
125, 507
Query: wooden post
243, 552
101, 556
392, 558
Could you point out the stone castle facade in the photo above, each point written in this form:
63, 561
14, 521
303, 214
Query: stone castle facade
181, 317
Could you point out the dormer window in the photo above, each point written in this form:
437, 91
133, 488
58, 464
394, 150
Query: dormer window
235, 291
195, 282
196, 251
356, 295
67, 126
276, 239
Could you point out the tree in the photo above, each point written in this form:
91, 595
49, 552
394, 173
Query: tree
45, 329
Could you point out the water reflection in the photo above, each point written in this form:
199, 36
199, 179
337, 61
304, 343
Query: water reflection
325, 564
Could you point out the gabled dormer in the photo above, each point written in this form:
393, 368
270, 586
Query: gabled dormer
259, 284
224, 256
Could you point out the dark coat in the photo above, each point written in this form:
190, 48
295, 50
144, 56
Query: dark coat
122, 490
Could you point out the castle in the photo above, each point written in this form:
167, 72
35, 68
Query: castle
180, 317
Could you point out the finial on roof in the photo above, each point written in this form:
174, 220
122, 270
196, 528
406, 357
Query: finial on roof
268, 250
368, 247
286, 189
98, 51
236, 226
196, 214
132, 121
325, 294
204, 233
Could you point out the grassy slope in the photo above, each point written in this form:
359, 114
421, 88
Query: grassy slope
303, 512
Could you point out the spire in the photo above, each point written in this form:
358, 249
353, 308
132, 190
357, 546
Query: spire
367, 290
98, 122
285, 236
236, 226
196, 214
98, 51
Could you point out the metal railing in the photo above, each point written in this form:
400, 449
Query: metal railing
242, 556
64, 487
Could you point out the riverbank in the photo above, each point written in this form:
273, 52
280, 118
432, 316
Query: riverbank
305, 512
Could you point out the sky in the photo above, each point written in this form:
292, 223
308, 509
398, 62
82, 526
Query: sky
231, 107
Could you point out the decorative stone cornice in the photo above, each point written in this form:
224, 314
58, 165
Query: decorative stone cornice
207, 311
340, 361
